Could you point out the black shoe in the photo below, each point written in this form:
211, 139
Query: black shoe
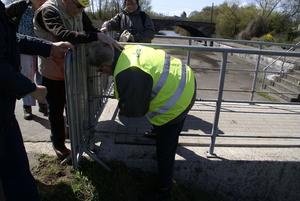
43, 108
61, 151
151, 134
27, 112
155, 196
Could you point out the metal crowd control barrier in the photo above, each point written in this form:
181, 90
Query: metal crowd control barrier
82, 82
84, 88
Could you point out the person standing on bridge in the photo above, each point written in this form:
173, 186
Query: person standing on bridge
136, 23
150, 82
23, 12
63, 20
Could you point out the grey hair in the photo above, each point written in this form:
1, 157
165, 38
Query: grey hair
101, 54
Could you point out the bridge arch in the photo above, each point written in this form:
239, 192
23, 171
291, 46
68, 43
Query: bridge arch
194, 32
196, 29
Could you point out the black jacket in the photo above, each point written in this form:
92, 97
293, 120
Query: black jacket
14, 84
16, 9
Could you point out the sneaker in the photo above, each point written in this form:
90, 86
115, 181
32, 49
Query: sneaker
154, 196
27, 112
43, 108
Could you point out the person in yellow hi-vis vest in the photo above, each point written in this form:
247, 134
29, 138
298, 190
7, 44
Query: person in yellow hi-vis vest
152, 83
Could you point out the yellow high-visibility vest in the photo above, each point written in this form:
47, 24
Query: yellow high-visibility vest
173, 81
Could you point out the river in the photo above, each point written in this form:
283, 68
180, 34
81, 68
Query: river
169, 33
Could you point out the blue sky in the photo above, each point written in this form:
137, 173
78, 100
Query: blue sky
176, 7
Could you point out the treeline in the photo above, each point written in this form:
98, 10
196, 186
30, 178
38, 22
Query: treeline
270, 20
267, 20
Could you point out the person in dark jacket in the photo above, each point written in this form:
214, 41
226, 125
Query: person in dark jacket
150, 82
17, 181
22, 12
132, 20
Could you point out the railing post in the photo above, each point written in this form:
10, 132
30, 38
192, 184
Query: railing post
214, 131
255, 74
189, 53
282, 66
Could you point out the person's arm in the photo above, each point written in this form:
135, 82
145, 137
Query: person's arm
12, 82
148, 34
134, 87
34, 46
52, 23
37, 46
113, 24
88, 24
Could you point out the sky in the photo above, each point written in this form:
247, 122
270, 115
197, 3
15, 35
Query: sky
176, 7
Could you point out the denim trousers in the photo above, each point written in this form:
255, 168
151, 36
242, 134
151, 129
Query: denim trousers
30, 70
56, 101
17, 180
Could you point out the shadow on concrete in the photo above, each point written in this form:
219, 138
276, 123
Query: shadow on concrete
42, 121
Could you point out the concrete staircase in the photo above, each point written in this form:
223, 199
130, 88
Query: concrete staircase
286, 83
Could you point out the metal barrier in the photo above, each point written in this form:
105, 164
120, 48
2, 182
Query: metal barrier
87, 93
82, 84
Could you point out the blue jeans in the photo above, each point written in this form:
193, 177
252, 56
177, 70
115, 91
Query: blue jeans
17, 180
56, 100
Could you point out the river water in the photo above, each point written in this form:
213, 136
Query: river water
169, 33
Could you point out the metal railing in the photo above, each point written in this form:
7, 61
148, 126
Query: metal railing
88, 92
284, 65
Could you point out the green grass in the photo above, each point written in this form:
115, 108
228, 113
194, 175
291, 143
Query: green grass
267, 97
92, 182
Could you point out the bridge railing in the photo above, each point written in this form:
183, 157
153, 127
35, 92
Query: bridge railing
225, 52
279, 65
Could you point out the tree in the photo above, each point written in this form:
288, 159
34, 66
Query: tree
227, 20
145, 5
291, 8
268, 6
207, 14
195, 16
232, 18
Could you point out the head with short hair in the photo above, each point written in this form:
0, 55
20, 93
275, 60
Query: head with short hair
131, 5
101, 54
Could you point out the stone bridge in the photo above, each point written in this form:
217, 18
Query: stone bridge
196, 29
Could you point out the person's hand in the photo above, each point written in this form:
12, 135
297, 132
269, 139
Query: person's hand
62, 46
40, 93
111, 42
104, 30
131, 38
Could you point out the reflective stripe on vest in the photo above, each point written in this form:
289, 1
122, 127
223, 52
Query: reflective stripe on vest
163, 77
172, 101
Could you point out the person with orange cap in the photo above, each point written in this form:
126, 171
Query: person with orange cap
63, 20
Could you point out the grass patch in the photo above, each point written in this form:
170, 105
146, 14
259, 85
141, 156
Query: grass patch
267, 97
92, 182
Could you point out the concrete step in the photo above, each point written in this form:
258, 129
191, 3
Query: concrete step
282, 87
286, 97
292, 77
290, 84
